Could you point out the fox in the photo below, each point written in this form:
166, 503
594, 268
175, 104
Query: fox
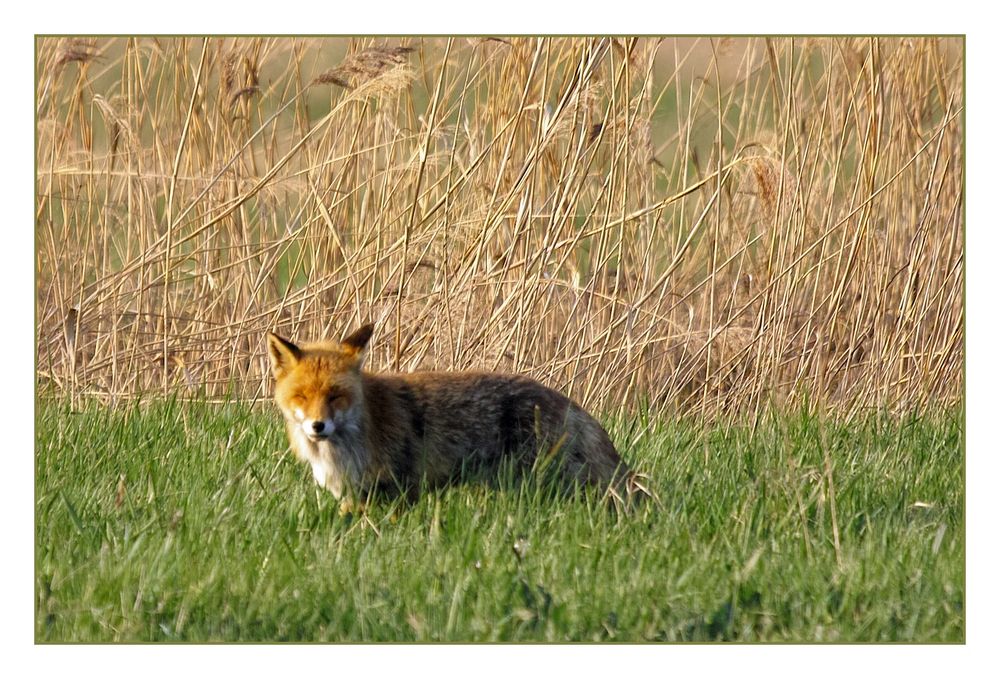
364, 433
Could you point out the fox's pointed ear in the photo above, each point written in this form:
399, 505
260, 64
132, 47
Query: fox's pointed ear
283, 354
357, 341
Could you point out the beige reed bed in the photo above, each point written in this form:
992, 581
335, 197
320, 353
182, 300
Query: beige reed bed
690, 225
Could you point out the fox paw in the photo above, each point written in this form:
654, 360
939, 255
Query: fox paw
349, 506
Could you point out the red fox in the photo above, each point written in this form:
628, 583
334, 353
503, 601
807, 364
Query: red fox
362, 432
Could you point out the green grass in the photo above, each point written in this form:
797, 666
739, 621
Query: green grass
190, 522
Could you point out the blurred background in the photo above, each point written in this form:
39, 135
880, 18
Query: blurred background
683, 225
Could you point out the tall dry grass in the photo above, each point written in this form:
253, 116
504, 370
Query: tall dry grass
694, 224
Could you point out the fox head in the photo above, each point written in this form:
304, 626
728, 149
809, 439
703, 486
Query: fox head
318, 386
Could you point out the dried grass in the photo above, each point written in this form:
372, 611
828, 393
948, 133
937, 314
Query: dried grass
694, 225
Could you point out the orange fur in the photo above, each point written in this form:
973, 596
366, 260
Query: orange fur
361, 432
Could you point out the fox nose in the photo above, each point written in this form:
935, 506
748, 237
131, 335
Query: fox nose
318, 426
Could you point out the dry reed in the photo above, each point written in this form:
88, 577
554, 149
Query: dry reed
691, 224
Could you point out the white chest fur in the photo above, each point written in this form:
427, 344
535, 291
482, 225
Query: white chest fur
339, 469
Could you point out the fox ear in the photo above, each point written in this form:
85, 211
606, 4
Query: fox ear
358, 340
283, 354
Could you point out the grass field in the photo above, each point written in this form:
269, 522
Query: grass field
711, 227
190, 522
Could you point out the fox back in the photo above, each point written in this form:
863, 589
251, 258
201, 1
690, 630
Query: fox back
362, 432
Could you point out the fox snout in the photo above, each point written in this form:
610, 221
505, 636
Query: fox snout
317, 429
